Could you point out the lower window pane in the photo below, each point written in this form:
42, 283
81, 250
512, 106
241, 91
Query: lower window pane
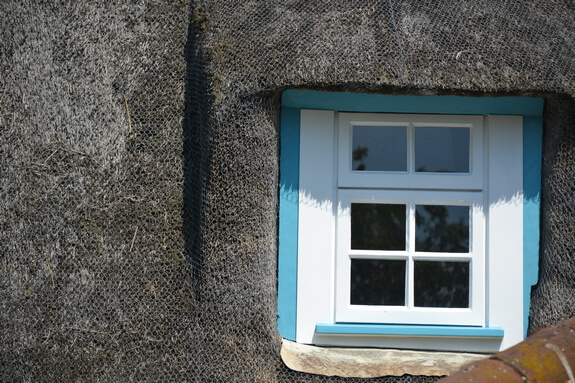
377, 282
377, 226
441, 284
442, 228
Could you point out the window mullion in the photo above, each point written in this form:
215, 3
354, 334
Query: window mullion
410, 149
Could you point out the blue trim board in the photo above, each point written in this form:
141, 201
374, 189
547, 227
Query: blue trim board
359, 102
288, 223
406, 330
294, 100
532, 162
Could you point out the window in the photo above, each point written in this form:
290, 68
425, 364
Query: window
408, 222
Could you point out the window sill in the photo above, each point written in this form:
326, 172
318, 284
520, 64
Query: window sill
371, 363
408, 330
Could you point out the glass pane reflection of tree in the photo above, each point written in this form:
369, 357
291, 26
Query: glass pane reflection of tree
442, 228
379, 148
378, 226
377, 282
442, 149
441, 284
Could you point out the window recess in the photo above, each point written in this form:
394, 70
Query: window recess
448, 190
407, 244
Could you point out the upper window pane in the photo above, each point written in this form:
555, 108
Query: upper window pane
378, 226
379, 148
442, 228
442, 149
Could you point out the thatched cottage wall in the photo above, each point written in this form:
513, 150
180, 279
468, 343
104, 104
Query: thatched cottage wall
139, 165
94, 281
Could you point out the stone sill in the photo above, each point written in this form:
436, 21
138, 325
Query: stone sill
371, 363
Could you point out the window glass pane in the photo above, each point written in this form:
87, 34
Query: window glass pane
377, 282
377, 226
442, 150
442, 228
441, 284
379, 148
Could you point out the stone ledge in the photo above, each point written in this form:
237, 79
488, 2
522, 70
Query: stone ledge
371, 363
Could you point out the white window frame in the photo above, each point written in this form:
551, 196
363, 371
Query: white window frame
501, 150
408, 314
410, 180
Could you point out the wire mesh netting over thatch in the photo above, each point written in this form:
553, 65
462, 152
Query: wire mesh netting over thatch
139, 165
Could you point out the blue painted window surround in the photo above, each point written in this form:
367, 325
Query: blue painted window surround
294, 100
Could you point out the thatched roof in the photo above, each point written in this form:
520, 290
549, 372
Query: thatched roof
478, 46
139, 164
